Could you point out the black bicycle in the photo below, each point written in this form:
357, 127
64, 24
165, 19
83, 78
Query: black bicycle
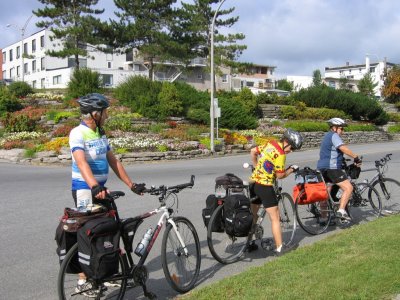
180, 252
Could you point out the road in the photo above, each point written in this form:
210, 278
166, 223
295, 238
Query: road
34, 198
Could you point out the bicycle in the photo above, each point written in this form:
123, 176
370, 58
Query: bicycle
389, 188
228, 249
315, 218
180, 251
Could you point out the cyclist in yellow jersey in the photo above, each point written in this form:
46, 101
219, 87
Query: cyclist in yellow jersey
269, 162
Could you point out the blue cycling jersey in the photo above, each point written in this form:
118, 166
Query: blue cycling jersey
330, 157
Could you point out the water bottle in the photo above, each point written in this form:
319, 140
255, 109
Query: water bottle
261, 212
141, 247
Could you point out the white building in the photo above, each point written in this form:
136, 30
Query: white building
43, 71
353, 73
300, 82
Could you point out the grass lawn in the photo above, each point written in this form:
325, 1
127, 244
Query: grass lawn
362, 262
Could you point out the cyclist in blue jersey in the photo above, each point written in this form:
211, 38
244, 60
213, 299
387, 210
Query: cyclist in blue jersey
331, 160
91, 159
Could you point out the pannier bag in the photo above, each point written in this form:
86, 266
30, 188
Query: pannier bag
312, 183
238, 218
129, 227
66, 233
212, 202
98, 248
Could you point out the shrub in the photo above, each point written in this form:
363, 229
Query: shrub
18, 123
20, 88
307, 126
56, 144
8, 101
394, 117
119, 122
83, 81
235, 116
157, 128
169, 101
394, 128
300, 111
198, 115
206, 142
62, 131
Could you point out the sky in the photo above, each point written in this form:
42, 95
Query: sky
295, 36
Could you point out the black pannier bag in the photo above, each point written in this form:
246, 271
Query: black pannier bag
212, 202
129, 227
66, 233
238, 218
98, 248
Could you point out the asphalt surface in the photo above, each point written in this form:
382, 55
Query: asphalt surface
33, 199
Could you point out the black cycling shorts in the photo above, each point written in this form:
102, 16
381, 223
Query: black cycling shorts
266, 194
334, 175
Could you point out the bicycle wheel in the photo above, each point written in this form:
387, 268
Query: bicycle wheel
181, 268
224, 248
111, 288
389, 190
287, 218
365, 202
314, 218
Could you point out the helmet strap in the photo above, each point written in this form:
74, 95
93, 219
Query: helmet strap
101, 130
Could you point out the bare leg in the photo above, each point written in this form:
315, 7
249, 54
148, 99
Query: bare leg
273, 213
347, 189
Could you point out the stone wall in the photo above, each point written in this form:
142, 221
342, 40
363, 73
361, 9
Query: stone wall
312, 140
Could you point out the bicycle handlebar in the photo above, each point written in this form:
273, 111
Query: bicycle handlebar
176, 188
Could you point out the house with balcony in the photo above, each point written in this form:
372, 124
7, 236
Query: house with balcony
354, 73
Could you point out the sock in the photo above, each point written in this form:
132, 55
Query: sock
341, 210
81, 281
279, 249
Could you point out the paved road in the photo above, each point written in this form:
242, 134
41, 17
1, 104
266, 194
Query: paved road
33, 199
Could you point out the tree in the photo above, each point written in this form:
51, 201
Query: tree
145, 25
366, 85
344, 83
73, 23
192, 31
317, 78
391, 89
285, 85
170, 104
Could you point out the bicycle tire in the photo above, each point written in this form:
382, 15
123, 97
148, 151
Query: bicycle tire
67, 282
313, 218
389, 189
287, 218
180, 270
224, 248
366, 202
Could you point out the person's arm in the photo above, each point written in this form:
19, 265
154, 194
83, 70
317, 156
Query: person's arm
86, 172
254, 156
284, 174
346, 150
119, 169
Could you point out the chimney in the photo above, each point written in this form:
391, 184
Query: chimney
366, 63
347, 63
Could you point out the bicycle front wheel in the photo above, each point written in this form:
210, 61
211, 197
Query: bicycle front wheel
224, 248
389, 189
365, 203
181, 262
314, 218
287, 218
111, 288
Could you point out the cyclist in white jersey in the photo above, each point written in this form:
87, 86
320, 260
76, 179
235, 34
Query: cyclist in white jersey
91, 159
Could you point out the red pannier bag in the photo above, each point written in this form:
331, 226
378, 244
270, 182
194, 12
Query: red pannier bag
314, 192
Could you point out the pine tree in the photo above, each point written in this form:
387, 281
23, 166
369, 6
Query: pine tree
73, 23
366, 85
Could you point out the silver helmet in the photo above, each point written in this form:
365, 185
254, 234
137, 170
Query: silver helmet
337, 122
294, 138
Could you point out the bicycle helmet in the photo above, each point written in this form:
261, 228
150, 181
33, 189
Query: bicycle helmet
93, 102
337, 122
294, 138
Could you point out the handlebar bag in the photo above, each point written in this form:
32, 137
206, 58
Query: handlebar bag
353, 171
228, 179
98, 248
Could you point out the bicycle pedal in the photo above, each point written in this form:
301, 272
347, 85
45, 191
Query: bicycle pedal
267, 244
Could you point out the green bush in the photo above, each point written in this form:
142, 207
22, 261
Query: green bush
198, 115
157, 128
56, 116
235, 116
20, 88
311, 126
83, 81
8, 101
119, 122
300, 112
169, 102
18, 123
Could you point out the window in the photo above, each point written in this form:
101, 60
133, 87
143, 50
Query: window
199, 76
18, 71
225, 78
25, 48
42, 65
18, 54
33, 46
11, 73
332, 84
107, 79
34, 84
57, 79
11, 54
42, 83
33, 66
4, 57
25, 68
372, 69
250, 83
42, 41
109, 64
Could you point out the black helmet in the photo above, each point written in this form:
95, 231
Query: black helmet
294, 138
337, 122
93, 102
